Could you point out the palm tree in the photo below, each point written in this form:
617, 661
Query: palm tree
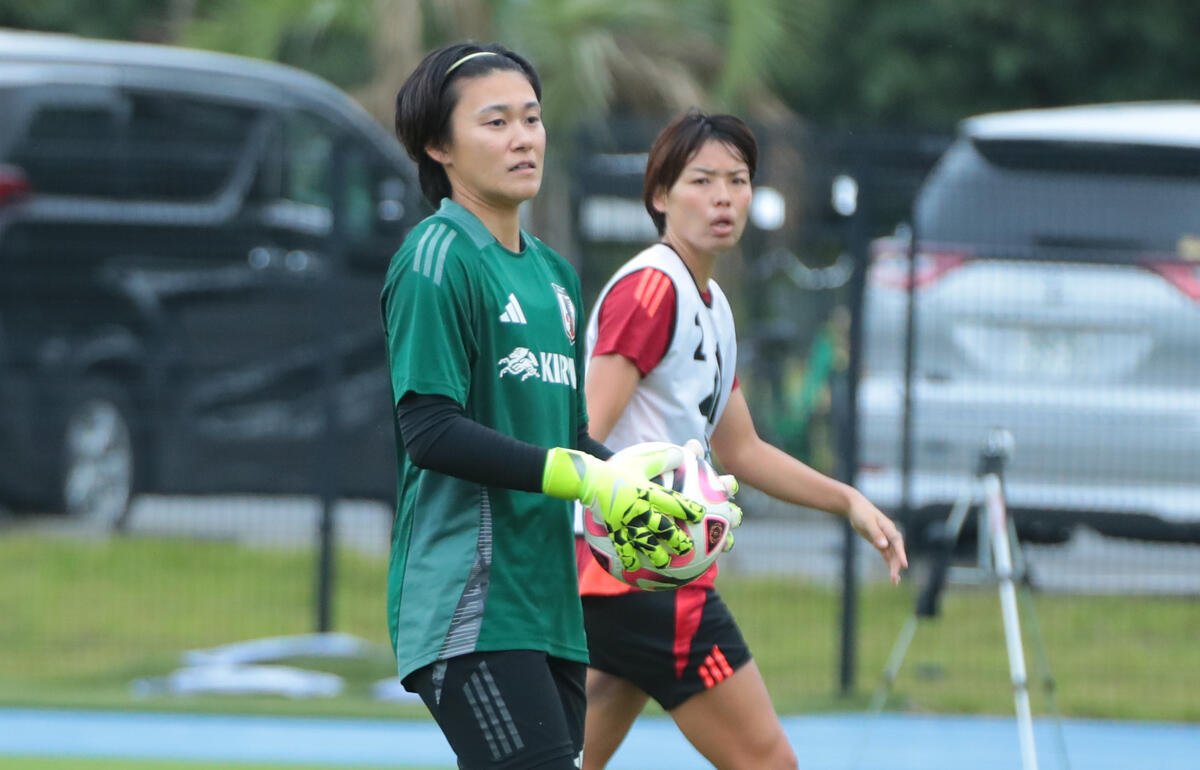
596, 56
599, 58
600, 55
397, 46
332, 38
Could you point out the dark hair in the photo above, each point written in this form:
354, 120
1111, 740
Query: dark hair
425, 101
680, 141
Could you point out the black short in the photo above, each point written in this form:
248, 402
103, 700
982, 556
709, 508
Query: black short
670, 644
508, 709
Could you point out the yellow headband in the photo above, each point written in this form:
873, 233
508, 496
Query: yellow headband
468, 58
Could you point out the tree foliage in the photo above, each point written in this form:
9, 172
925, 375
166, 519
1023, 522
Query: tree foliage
327, 37
924, 62
932, 62
116, 19
599, 57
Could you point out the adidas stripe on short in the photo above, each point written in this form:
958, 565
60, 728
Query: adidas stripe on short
507, 709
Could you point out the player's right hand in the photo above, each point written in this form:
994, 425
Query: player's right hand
638, 513
636, 541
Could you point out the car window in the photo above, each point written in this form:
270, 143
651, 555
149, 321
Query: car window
268, 184
182, 148
70, 149
360, 201
375, 202
8, 107
309, 158
1040, 200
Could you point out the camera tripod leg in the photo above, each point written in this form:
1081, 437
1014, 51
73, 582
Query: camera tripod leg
1041, 659
879, 699
895, 660
998, 532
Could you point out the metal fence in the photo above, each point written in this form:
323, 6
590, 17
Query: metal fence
875, 346
1046, 286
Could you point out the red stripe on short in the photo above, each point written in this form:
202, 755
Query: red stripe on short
715, 668
689, 607
719, 657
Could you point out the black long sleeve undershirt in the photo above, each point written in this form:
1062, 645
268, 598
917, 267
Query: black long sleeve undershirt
438, 436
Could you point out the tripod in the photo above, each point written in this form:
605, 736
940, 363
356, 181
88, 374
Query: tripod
1000, 560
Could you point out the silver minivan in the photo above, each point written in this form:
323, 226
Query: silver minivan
1055, 292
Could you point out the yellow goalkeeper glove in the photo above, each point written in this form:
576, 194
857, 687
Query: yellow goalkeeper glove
638, 513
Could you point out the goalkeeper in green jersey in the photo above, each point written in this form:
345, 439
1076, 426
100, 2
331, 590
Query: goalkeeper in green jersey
491, 430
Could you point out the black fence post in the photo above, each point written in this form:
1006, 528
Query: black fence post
328, 452
857, 242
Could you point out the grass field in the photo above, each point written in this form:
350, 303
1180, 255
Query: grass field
82, 619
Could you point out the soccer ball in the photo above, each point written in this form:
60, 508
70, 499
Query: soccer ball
696, 479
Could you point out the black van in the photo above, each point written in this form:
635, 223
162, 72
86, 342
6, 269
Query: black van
191, 245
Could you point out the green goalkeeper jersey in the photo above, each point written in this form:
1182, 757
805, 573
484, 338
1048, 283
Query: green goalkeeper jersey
477, 568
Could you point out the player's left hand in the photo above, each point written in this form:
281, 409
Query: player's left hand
881, 532
727, 481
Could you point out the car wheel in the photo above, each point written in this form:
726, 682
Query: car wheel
97, 478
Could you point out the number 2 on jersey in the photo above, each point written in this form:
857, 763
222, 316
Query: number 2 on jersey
708, 405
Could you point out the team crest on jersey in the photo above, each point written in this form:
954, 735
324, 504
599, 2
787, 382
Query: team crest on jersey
567, 308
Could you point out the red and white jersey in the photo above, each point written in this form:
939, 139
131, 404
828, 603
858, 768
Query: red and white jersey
682, 341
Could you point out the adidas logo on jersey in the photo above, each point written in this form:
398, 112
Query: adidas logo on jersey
512, 312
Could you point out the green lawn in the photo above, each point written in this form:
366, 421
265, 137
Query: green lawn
82, 619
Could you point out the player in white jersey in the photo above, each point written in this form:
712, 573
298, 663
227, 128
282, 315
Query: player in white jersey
662, 353
684, 394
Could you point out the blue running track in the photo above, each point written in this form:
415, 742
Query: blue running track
823, 742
